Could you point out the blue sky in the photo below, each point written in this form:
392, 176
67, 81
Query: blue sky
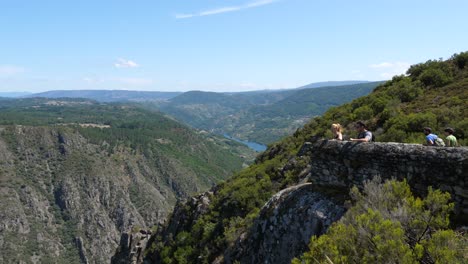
214, 45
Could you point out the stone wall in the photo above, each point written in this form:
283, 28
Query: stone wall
345, 163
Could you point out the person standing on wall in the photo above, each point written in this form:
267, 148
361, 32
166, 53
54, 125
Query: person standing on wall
364, 134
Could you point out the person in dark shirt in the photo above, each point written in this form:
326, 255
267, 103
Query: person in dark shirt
364, 134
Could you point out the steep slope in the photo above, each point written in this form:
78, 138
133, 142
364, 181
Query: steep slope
74, 174
246, 116
271, 122
433, 94
318, 100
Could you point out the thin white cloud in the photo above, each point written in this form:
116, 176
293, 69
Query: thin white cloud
123, 63
226, 9
387, 70
182, 16
9, 70
220, 10
259, 3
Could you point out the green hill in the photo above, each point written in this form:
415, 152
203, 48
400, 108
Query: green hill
74, 174
433, 94
260, 117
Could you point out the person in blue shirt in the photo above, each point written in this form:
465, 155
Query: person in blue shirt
430, 138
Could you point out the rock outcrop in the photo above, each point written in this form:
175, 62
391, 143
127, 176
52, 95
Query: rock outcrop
186, 213
65, 199
285, 226
69, 200
131, 247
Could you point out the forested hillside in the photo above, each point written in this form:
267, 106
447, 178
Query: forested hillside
434, 93
74, 174
260, 117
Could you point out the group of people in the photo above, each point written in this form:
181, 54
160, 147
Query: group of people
364, 135
433, 139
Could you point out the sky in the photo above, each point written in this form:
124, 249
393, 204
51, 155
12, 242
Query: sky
215, 45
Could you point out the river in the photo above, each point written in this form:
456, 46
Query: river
253, 145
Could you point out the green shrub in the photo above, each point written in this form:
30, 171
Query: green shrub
435, 77
364, 112
387, 224
461, 60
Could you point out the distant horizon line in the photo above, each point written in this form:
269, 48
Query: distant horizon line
184, 91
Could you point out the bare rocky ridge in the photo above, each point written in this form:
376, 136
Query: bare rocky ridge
65, 200
131, 247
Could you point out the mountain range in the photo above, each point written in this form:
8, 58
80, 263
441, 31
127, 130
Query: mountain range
262, 116
259, 117
239, 215
127, 95
75, 173
108, 95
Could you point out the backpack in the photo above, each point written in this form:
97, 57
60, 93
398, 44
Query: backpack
439, 142
373, 137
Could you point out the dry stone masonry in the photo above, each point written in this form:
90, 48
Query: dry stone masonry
344, 164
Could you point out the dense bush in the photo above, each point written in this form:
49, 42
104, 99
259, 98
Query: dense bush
435, 77
388, 224
461, 60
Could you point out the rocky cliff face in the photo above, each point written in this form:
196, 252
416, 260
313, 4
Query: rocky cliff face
134, 246
287, 221
131, 247
65, 200
285, 225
